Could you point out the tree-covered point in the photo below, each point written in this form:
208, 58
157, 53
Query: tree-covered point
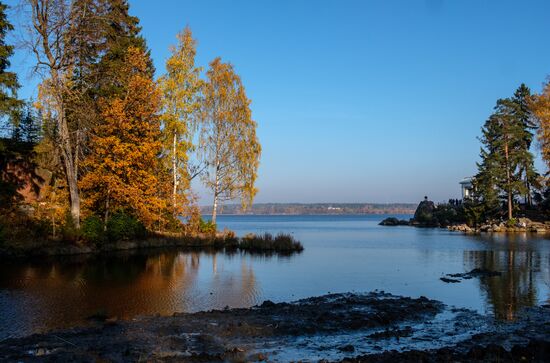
108, 139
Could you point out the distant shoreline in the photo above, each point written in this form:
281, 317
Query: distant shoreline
315, 214
315, 209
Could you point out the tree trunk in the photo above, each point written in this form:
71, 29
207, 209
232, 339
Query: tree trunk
75, 200
529, 200
508, 182
69, 164
50, 21
174, 173
106, 219
215, 208
216, 195
509, 204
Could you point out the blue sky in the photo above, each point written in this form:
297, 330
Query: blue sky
361, 101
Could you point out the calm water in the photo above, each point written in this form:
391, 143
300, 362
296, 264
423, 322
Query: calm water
342, 253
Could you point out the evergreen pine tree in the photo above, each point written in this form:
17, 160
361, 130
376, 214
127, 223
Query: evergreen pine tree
522, 101
503, 156
9, 103
121, 32
29, 125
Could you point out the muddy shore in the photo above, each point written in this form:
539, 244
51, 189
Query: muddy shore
373, 327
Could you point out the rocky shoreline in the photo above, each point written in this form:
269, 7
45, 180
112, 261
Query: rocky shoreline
428, 215
523, 225
372, 327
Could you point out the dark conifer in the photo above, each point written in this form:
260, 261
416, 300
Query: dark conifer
506, 168
9, 103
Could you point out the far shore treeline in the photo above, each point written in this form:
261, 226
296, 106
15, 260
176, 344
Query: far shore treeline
106, 146
317, 208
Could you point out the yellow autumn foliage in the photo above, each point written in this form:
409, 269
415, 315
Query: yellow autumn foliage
541, 109
123, 169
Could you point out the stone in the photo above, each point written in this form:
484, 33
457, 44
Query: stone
392, 221
424, 213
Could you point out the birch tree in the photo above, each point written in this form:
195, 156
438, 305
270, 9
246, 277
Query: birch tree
228, 141
180, 103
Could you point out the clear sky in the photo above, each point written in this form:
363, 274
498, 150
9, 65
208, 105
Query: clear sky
361, 101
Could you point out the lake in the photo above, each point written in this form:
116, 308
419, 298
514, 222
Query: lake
342, 253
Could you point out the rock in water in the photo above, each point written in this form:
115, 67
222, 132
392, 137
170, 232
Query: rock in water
424, 214
392, 221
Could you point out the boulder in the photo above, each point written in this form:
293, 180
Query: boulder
460, 228
392, 221
524, 222
537, 227
485, 228
424, 214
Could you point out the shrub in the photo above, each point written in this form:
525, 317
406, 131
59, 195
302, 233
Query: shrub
447, 213
207, 227
93, 229
230, 240
511, 223
2, 234
172, 223
41, 228
266, 242
69, 232
122, 226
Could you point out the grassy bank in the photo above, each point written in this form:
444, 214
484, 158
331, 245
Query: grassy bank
283, 244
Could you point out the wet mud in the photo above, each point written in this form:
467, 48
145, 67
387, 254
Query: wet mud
373, 327
475, 273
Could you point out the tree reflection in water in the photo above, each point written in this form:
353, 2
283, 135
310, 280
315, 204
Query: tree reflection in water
516, 288
63, 292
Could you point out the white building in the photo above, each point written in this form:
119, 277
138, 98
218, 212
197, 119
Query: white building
467, 187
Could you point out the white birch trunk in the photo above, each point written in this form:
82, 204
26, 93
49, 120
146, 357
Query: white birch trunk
174, 172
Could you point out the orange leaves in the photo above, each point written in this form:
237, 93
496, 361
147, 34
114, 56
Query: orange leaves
541, 109
123, 167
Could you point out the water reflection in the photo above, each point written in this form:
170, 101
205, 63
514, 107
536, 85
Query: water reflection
40, 294
342, 253
519, 264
